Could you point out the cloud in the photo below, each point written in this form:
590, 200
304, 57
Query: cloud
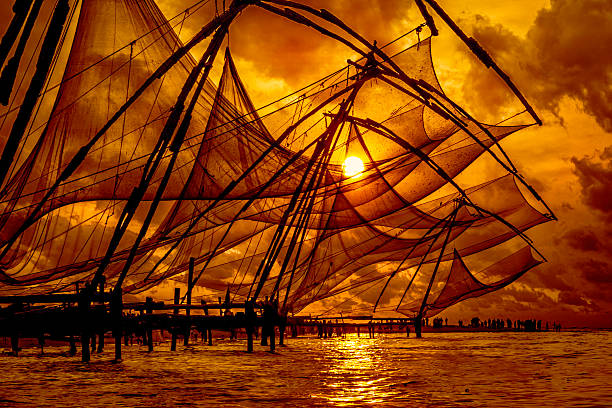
596, 272
565, 54
583, 240
595, 178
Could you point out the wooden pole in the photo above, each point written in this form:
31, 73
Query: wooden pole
149, 325
84, 306
15, 343
177, 297
272, 334
116, 314
250, 317
188, 311
207, 331
103, 318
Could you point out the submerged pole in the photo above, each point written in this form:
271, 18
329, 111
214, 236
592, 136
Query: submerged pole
177, 297
116, 313
250, 317
103, 320
188, 311
84, 306
207, 331
418, 321
149, 323
15, 343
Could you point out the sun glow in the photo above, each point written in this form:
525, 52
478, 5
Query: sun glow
352, 166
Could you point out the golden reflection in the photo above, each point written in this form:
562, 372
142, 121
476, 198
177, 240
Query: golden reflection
356, 373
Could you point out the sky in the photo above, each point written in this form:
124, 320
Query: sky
557, 52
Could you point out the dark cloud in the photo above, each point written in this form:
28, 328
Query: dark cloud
565, 54
573, 299
595, 178
583, 240
596, 272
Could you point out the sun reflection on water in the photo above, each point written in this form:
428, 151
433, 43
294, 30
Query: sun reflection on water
355, 374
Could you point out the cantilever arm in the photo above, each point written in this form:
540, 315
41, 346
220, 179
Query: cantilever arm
486, 59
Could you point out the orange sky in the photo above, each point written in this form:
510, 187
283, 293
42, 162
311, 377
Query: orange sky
557, 52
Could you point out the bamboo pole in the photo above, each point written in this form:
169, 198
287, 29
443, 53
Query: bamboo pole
116, 307
188, 311
177, 296
36, 84
149, 323
103, 319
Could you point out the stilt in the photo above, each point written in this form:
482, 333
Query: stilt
188, 311
177, 296
15, 343
149, 306
207, 331
358, 328
250, 341
272, 343
116, 307
102, 318
282, 325
84, 306
93, 343
250, 317
73, 349
41, 343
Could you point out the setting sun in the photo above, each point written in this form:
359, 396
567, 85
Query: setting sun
352, 166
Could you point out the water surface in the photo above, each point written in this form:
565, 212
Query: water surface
443, 369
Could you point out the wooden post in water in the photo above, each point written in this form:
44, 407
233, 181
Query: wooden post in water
250, 317
418, 321
93, 343
272, 334
188, 311
72, 350
116, 310
177, 297
84, 306
206, 328
15, 342
103, 317
149, 324
282, 325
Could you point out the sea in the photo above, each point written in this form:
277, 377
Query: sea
483, 369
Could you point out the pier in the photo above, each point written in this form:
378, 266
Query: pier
88, 317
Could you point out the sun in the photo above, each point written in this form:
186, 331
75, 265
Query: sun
352, 166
